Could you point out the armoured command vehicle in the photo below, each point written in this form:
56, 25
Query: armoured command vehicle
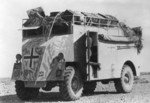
75, 50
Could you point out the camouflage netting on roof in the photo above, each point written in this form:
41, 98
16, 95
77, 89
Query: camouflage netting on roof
36, 18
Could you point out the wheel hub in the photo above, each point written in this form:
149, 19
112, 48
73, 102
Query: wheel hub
75, 84
127, 78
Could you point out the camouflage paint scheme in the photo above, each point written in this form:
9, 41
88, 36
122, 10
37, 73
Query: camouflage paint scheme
54, 46
31, 59
38, 58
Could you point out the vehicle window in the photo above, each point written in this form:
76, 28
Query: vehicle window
32, 33
62, 29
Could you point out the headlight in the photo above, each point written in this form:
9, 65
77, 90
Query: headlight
18, 57
61, 56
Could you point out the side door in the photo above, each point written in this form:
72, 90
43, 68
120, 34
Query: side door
107, 54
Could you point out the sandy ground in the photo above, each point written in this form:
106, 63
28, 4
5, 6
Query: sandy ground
103, 93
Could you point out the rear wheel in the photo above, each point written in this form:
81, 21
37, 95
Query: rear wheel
25, 93
72, 87
125, 83
89, 87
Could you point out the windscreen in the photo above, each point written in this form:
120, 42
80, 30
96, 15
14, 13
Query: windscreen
61, 29
33, 33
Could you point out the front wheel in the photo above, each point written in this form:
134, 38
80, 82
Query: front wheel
73, 85
125, 83
25, 93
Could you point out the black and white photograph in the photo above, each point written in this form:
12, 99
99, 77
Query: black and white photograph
74, 51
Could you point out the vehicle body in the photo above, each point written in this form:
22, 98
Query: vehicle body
58, 52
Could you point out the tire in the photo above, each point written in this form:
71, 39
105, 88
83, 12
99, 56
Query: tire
125, 83
89, 87
25, 93
72, 87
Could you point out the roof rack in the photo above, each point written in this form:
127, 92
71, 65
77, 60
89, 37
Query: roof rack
79, 18
91, 19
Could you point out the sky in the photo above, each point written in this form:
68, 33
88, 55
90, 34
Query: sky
132, 12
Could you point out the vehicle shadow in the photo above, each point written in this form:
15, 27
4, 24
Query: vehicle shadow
10, 99
101, 93
43, 97
49, 97
46, 97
